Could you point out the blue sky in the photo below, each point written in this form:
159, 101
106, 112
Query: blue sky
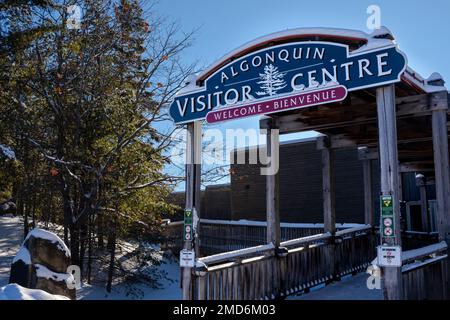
421, 28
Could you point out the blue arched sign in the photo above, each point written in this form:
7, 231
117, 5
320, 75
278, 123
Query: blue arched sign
287, 76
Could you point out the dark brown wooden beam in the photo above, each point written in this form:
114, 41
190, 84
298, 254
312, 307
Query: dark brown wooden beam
350, 115
417, 166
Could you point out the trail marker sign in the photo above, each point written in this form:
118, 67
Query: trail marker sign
389, 256
387, 218
188, 228
188, 225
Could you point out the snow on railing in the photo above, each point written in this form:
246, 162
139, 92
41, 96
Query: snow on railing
360, 228
252, 223
306, 240
244, 222
226, 256
424, 252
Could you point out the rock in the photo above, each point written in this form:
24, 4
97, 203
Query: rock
8, 207
48, 252
52, 282
42, 263
21, 273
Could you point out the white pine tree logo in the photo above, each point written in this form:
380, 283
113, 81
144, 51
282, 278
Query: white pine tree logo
271, 81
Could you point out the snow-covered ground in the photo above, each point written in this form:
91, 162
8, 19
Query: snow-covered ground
170, 291
11, 237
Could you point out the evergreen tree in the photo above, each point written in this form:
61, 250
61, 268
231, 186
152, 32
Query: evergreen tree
271, 81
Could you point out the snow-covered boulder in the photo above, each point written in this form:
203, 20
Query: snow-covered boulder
42, 263
16, 292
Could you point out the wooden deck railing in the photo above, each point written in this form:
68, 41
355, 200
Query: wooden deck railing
218, 236
424, 273
221, 236
266, 272
355, 249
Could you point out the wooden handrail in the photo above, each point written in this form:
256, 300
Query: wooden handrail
365, 227
227, 256
262, 249
421, 264
226, 265
306, 240
423, 252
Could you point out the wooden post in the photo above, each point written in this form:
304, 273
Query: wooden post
421, 183
387, 130
441, 166
193, 167
272, 185
197, 184
273, 204
328, 193
369, 215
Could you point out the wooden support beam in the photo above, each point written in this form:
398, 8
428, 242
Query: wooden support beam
272, 185
417, 166
193, 170
410, 106
442, 172
342, 141
328, 193
392, 277
366, 153
441, 162
369, 213
421, 183
328, 190
273, 204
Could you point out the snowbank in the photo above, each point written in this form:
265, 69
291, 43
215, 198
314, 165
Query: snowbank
15, 292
